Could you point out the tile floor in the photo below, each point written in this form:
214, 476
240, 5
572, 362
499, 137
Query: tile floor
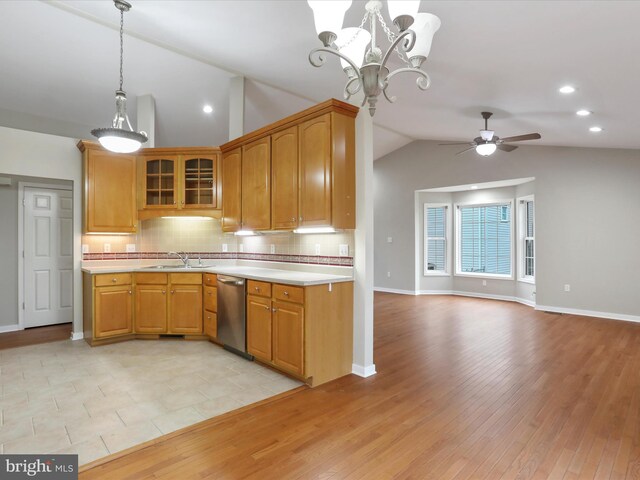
66, 397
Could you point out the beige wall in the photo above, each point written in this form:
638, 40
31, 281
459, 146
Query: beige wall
587, 201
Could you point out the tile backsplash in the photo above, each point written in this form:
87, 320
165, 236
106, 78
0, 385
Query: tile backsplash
160, 235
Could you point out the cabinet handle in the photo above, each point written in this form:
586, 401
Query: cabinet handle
129, 292
164, 292
257, 289
286, 293
300, 218
114, 280
209, 317
182, 202
293, 219
274, 309
266, 307
173, 291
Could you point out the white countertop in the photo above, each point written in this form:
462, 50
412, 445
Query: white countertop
290, 277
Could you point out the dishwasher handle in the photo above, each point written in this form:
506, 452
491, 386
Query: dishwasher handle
231, 282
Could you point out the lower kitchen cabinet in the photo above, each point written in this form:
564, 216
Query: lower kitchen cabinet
185, 308
210, 300
108, 306
259, 327
151, 308
288, 336
304, 331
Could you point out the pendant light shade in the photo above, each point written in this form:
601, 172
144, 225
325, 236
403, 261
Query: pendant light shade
425, 26
403, 12
328, 17
352, 42
117, 138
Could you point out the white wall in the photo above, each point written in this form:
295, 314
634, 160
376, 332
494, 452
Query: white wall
587, 204
49, 156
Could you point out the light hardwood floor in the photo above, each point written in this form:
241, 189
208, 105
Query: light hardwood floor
466, 389
34, 336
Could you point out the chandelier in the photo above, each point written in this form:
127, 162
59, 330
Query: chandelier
116, 138
366, 68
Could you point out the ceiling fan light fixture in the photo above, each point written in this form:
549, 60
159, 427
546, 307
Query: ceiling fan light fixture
567, 89
117, 138
583, 113
485, 149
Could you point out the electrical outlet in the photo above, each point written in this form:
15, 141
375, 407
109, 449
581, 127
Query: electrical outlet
388, 274
225, 247
317, 249
272, 248
389, 239
484, 283
343, 250
241, 248
85, 248
567, 287
131, 247
106, 248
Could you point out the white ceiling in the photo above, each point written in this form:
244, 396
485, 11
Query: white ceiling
60, 64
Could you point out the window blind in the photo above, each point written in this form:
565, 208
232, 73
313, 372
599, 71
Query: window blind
485, 239
436, 240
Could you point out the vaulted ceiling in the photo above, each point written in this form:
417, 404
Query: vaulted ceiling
60, 68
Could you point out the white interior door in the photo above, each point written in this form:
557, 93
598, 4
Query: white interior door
48, 256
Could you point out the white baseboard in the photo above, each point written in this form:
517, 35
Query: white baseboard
394, 290
590, 313
77, 335
362, 371
435, 292
10, 328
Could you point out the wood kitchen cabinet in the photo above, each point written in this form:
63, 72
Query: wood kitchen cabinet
151, 303
232, 190
185, 308
179, 181
256, 185
306, 162
108, 306
210, 301
304, 331
284, 179
109, 190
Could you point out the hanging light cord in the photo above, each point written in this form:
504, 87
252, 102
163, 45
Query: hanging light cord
121, 43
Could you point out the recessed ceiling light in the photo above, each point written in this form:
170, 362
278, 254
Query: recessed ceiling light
474, 187
595, 129
567, 89
207, 109
583, 113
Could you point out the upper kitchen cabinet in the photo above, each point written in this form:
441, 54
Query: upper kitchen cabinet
256, 185
109, 190
311, 176
232, 190
182, 181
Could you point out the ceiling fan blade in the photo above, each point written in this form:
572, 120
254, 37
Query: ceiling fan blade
456, 143
506, 148
465, 150
520, 138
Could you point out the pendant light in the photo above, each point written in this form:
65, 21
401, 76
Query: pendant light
116, 138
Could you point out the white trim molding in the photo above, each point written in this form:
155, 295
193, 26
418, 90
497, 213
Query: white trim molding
76, 336
590, 313
10, 328
362, 371
394, 290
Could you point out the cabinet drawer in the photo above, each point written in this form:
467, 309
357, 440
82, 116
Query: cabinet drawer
288, 293
106, 279
210, 324
209, 279
262, 289
185, 278
211, 299
151, 278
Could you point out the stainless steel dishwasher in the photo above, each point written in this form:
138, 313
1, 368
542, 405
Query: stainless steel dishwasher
232, 323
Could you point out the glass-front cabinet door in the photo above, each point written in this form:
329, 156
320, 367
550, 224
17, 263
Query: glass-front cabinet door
160, 184
200, 182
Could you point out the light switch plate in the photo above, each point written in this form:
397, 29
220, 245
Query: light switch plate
85, 248
343, 250
106, 248
225, 247
389, 239
131, 247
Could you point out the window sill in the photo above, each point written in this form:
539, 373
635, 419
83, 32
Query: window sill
485, 276
531, 281
436, 274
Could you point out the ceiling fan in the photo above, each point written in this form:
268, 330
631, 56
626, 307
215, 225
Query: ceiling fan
488, 142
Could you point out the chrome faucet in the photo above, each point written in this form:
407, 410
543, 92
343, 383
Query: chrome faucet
184, 256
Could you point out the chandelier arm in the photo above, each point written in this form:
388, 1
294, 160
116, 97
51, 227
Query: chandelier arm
423, 81
348, 92
389, 99
398, 43
322, 59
